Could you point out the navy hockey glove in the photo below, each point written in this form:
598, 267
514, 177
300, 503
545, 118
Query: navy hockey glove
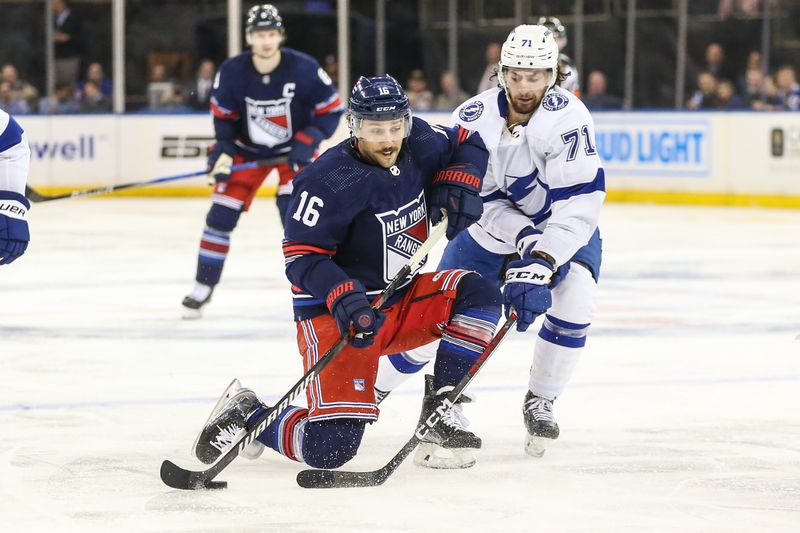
526, 240
304, 145
527, 289
457, 192
349, 305
220, 159
14, 234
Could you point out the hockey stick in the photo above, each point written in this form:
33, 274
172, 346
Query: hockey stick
180, 478
331, 479
37, 197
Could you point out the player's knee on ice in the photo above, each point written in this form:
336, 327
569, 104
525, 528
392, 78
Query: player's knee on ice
332, 443
222, 218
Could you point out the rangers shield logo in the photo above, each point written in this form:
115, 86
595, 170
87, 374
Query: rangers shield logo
404, 230
269, 122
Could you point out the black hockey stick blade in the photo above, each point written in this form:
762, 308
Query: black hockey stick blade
176, 477
333, 479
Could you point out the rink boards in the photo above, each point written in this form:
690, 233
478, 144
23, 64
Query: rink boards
733, 158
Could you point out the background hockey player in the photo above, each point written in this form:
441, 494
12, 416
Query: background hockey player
542, 198
267, 102
571, 80
356, 216
14, 160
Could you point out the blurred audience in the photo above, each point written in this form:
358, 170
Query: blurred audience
331, 67
788, 89
419, 97
19, 88
92, 100
751, 8
161, 91
452, 95
715, 63
704, 96
63, 101
68, 37
725, 96
492, 59
11, 103
596, 97
96, 75
200, 91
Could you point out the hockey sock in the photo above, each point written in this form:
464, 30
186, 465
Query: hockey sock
215, 243
331, 443
555, 356
394, 369
285, 435
463, 341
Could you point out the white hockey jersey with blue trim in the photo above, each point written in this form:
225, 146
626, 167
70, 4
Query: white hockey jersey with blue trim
544, 174
14, 155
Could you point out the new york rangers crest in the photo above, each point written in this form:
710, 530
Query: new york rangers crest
269, 122
404, 230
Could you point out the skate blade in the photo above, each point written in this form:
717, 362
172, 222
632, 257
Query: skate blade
430, 455
229, 392
191, 314
536, 446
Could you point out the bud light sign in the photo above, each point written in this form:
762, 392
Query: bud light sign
661, 147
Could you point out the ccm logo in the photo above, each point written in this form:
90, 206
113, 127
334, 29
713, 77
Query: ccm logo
431, 421
521, 276
389, 108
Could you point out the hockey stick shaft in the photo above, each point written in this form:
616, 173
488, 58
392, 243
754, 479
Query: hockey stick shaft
37, 197
327, 479
180, 478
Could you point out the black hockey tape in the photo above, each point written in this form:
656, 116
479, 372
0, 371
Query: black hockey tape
217, 485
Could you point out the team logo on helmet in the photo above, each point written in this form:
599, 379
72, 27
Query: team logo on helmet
471, 112
554, 101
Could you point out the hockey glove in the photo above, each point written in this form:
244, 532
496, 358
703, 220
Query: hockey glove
220, 159
349, 305
527, 289
457, 192
526, 240
304, 146
14, 234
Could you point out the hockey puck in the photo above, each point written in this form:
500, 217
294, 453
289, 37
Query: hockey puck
216, 485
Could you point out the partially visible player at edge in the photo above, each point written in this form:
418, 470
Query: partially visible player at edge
14, 160
571, 80
268, 102
356, 216
542, 198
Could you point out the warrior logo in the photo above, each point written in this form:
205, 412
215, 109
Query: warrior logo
404, 230
269, 122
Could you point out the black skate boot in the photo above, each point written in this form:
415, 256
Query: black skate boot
448, 444
226, 425
539, 421
194, 302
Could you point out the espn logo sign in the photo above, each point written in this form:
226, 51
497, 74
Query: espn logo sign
185, 146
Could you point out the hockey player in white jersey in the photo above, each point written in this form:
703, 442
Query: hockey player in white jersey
14, 160
542, 194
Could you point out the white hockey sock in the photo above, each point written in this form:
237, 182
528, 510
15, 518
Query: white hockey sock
396, 368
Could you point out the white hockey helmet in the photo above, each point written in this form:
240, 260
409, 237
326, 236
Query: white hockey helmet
529, 46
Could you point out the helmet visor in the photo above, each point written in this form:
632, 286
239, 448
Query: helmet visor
381, 130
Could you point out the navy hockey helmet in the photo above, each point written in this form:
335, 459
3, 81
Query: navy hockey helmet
378, 99
263, 17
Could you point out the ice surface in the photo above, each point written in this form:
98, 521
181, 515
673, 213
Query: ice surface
683, 415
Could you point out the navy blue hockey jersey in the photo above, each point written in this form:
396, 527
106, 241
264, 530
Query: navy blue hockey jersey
351, 219
262, 112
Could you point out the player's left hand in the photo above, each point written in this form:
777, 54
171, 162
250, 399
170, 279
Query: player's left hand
458, 193
304, 146
527, 289
14, 233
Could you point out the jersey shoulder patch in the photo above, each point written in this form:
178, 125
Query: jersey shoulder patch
471, 111
554, 101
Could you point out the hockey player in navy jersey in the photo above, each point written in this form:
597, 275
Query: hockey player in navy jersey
356, 216
542, 198
14, 160
269, 102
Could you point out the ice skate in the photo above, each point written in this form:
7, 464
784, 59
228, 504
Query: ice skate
448, 444
227, 423
542, 427
194, 302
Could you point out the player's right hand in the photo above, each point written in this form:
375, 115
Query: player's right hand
14, 234
348, 304
220, 159
527, 289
